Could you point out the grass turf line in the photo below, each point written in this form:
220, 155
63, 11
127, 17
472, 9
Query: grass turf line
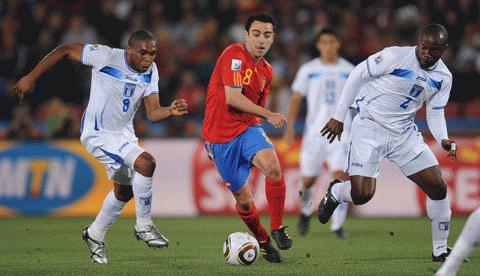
47, 245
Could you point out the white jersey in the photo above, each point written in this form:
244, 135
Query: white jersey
322, 86
116, 91
398, 88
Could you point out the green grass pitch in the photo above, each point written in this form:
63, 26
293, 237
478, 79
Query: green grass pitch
47, 246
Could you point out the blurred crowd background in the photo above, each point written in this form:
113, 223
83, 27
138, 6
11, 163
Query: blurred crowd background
191, 35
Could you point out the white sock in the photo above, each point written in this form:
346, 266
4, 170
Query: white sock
109, 213
439, 212
466, 242
142, 191
306, 200
338, 217
341, 191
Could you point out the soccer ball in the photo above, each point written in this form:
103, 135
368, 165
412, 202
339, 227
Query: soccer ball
240, 249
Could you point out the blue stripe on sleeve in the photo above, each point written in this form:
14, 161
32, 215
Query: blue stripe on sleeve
403, 73
438, 107
435, 84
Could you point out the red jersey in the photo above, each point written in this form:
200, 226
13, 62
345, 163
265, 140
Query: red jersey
235, 67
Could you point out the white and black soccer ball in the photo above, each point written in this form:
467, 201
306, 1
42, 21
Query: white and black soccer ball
240, 249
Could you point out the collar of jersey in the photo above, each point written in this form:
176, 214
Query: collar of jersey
140, 78
250, 55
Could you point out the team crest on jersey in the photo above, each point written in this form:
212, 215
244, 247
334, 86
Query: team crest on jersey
236, 65
378, 59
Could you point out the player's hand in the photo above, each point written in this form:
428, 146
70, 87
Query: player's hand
276, 119
179, 107
24, 86
333, 128
451, 147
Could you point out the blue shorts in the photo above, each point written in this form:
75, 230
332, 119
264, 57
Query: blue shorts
233, 159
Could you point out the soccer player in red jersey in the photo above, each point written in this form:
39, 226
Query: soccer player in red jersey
234, 139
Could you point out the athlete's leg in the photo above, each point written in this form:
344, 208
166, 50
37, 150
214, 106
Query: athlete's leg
266, 160
248, 212
358, 190
145, 230
111, 209
306, 195
340, 213
144, 166
466, 242
438, 206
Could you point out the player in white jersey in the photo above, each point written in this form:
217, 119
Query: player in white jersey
121, 79
321, 81
391, 86
466, 242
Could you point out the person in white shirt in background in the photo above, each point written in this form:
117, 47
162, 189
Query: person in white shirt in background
391, 86
321, 81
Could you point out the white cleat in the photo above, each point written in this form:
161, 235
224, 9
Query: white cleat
97, 248
152, 237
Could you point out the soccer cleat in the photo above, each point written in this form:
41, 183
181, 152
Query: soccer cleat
281, 238
328, 204
443, 257
303, 224
269, 252
339, 233
152, 237
97, 248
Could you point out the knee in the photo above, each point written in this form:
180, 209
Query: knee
440, 192
363, 195
123, 193
273, 172
145, 164
361, 198
244, 201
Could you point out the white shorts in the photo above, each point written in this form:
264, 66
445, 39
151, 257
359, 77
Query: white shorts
316, 150
117, 152
371, 143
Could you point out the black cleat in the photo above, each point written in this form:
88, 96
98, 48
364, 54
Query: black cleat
303, 224
443, 257
269, 252
340, 233
281, 238
328, 204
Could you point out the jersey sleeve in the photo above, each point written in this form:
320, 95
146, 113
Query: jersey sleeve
380, 63
435, 111
299, 84
233, 65
152, 88
95, 54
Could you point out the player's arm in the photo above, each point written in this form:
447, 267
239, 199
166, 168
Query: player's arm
292, 112
26, 84
156, 113
236, 99
436, 119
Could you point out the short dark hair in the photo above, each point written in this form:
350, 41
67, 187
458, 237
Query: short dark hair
262, 17
437, 31
142, 35
326, 30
